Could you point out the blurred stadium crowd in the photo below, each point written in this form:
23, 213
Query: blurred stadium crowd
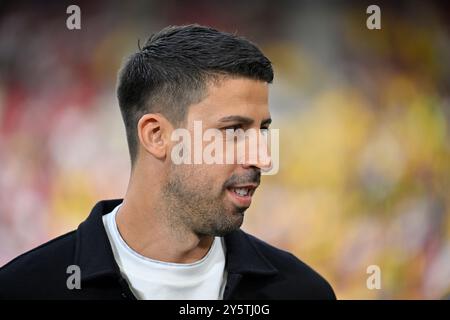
363, 116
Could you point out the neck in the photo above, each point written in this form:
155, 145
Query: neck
143, 224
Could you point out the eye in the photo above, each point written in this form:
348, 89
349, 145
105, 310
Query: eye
233, 127
264, 132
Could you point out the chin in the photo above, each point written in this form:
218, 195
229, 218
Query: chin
233, 223
237, 220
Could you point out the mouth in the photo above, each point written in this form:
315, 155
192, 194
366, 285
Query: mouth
241, 195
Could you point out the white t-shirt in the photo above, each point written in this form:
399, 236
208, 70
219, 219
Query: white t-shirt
153, 280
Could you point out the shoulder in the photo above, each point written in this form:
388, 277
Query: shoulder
299, 279
36, 269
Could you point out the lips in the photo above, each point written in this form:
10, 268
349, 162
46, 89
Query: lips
241, 195
243, 190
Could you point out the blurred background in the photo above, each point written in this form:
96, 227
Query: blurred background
363, 116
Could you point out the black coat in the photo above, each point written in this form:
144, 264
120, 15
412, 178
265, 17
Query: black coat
256, 270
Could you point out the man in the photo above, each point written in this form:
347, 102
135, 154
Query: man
176, 234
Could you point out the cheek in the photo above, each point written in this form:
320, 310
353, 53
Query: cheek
213, 176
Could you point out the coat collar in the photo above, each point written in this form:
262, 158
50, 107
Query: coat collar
93, 252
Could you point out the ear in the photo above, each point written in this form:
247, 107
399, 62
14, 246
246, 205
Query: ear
153, 129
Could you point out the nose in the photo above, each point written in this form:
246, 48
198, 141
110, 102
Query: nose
257, 152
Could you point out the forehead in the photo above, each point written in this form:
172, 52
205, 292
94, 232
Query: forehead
232, 96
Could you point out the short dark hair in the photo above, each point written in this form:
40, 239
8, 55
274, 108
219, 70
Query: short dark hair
173, 68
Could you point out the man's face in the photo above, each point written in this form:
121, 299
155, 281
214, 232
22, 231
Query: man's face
211, 198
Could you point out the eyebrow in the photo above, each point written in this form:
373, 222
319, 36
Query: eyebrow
243, 120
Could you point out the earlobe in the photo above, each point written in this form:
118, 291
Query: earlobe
151, 129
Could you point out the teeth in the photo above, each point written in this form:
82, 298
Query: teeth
241, 191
